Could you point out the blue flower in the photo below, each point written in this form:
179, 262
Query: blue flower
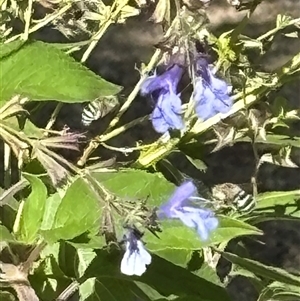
203, 220
136, 257
210, 93
167, 112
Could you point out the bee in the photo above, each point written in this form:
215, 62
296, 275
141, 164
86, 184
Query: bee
233, 196
226, 198
98, 108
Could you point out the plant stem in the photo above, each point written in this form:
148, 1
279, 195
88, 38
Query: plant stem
43, 23
104, 26
27, 20
106, 136
53, 117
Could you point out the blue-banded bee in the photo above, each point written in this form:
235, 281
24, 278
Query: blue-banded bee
98, 108
233, 196
226, 198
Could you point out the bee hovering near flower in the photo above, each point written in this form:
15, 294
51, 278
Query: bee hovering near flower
136, 257
233, 196
179, 206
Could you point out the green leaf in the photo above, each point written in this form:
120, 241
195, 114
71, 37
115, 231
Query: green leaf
79, 211
6, 296
73, 262
42, 72
5, 235
278, 291
162, 276
176, 236
276, 140
258, 268
7, 48
276, 204
33, 210
138, 184
176, 242
208, 273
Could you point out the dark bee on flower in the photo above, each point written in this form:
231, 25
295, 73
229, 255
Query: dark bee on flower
98, 108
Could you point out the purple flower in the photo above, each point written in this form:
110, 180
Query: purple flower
210, 93
136, 257
163, 88
203, 220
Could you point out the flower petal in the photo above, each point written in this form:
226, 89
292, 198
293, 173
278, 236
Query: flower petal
203, 220
210, 93
166, 114
134, 261
170, 77
181, 194
145, 256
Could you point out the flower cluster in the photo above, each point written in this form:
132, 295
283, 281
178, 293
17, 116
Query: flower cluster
136, 257
211, 95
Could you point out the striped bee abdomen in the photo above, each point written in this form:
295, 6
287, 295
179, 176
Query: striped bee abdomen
97, 109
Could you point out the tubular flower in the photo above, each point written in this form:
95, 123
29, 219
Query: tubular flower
203, 220
136, 257
167, 112
210, 93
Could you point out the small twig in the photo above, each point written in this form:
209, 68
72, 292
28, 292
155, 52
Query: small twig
104, 26
12, 191
34, 255
7, 165
53, 118
27, 20
122, 129
17, 279
98, 140
68, 292
257, 164
274, 30
43, 23
16, 225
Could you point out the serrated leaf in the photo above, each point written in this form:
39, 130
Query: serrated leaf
42, 72
79, 211
33, 210
138, 184
179, 237
258, 268
162, 276
277, 204
8, 48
